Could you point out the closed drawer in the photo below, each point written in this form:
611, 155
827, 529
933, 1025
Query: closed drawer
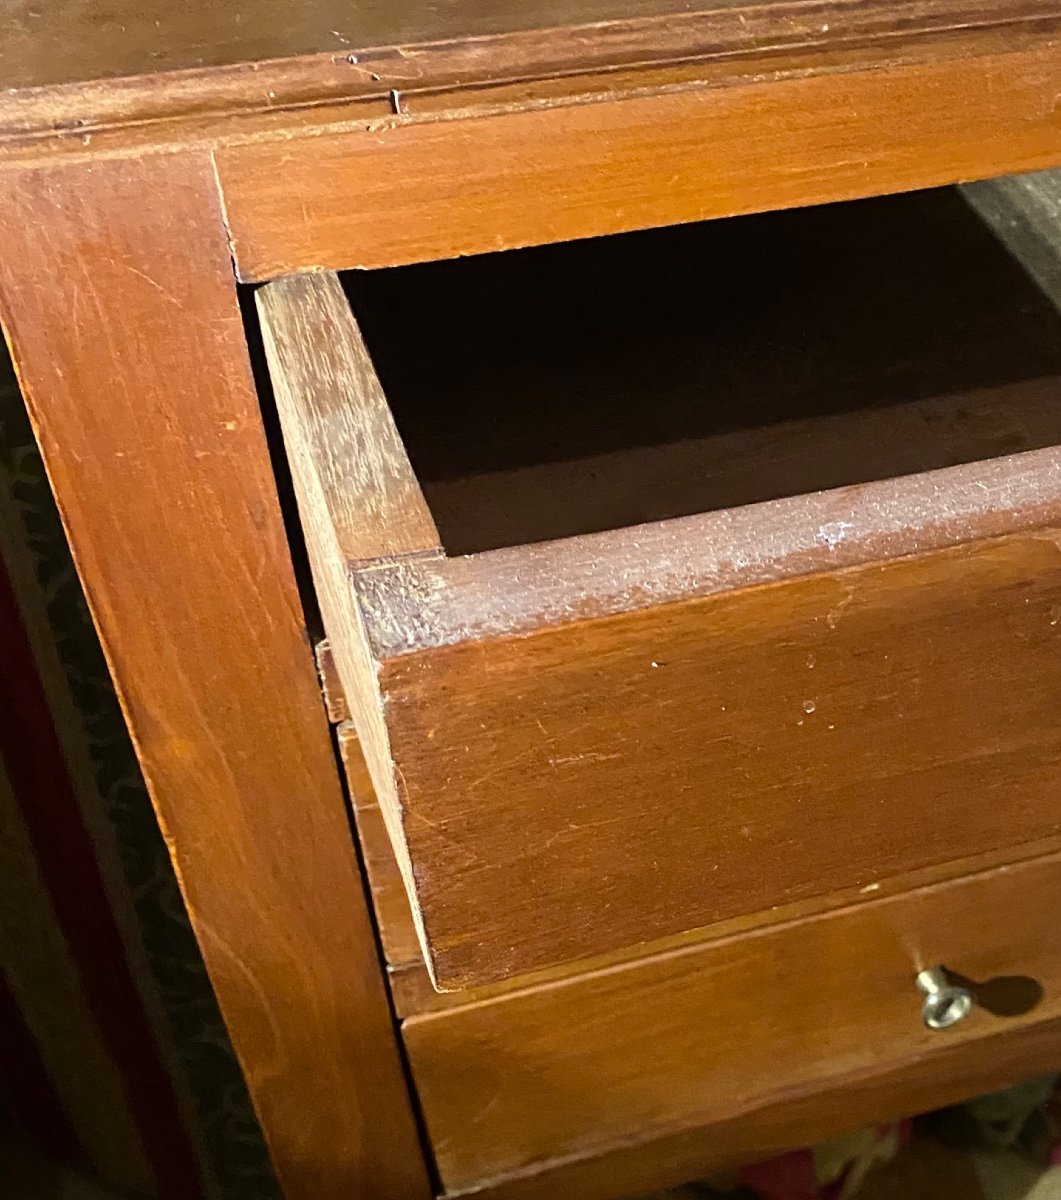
748, 587
731, 1039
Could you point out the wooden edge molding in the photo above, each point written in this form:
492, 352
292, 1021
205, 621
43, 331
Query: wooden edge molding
290, 78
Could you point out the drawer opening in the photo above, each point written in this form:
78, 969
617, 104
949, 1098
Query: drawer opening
570, 389
583, 743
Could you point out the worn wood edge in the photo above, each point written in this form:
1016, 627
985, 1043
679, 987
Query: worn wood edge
293, 376
348, 438
412, 607
465, 98
331, 686
950, 1075
398, 933
1023, 211
360, 72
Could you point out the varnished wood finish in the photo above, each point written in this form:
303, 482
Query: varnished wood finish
368, 135
865, 673
409, 189
75, 66
953, 1072
411, 988
117, 296
702, 1036
605, 782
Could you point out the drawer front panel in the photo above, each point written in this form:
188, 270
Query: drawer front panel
608, 782
701, 1036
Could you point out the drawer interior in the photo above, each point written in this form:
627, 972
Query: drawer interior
568, 389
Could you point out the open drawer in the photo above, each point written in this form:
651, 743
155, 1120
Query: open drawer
688, 573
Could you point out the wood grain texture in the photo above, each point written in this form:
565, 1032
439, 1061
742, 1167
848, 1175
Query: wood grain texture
411, 987
717, 690
119, 304
612, 490
394, 917
74, 66
605, 782
320, 363
332, 690
541, 395
702, 1036
425, 605
357, 495
415, 189
954, 1072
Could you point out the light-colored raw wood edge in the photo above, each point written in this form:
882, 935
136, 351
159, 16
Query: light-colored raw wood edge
341, 424
357, 495
331, 685
411, 606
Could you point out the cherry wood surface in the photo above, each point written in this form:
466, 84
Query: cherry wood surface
699, 1036
141, 147
953, 1072
605, 782
73, 65
117, 297
469, 171
620, 736
411, 987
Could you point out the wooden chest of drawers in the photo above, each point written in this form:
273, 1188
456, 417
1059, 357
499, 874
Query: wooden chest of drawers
756, 767
690, 578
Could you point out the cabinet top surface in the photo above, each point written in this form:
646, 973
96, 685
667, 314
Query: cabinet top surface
48, 43
70, 66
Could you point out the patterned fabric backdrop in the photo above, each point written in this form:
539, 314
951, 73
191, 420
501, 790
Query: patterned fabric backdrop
113, 1056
